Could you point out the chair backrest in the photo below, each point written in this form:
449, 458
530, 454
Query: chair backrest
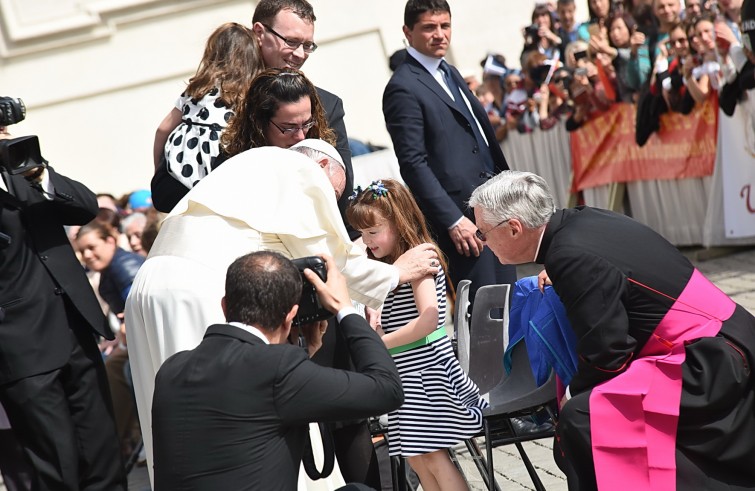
487, 336
461, 324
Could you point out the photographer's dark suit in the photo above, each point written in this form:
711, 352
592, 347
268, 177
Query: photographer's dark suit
441, 161
52, 379
233, 412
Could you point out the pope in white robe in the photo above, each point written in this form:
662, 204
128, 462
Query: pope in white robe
265, 198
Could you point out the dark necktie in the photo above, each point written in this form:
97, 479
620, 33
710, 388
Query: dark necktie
449, 78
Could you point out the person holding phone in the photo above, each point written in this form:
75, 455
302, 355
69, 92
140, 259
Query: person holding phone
632, 60
586, 89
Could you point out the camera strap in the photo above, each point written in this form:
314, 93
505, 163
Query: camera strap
329, 456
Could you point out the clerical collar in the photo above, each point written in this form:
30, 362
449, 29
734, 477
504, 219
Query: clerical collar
539, 243
431, 64
251, 330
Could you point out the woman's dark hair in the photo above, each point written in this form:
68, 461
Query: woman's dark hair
269, 90
594, 16
101, 228
109, 217
628, 21
539, 10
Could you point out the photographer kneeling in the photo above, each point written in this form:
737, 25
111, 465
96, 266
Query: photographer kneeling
233, 412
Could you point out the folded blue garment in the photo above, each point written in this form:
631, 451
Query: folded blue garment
540, 320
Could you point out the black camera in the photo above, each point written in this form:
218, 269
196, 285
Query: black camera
12, 111
310, 308
18, 155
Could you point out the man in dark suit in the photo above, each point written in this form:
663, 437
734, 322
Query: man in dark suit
53, 384
444, 142
233, 412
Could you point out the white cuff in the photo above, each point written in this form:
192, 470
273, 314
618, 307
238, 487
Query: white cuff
46, 185
456, 222
345, 311
394, 279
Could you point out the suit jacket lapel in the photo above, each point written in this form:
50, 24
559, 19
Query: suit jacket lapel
424, 77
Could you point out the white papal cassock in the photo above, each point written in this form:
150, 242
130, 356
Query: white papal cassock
263, 199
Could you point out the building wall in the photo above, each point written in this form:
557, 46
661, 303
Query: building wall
98, 76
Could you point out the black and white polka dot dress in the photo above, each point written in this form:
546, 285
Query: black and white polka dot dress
194, 144
442, 406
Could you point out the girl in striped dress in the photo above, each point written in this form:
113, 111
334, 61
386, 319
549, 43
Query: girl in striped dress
442, 406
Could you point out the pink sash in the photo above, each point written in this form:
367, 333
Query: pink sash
634, 416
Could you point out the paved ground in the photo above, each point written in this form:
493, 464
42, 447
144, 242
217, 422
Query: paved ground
734, 273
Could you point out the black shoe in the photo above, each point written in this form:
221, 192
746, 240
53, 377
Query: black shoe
526, 425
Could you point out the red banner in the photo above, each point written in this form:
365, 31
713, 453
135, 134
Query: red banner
604, 149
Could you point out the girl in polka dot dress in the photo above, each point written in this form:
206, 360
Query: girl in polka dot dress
188, 138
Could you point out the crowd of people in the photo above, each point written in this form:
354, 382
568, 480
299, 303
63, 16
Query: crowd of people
658, 54
173, 312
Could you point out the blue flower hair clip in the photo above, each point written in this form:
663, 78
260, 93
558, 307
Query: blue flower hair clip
357, 191
378, 189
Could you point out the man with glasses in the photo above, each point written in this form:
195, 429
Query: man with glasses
663, 396
444, 142
285, 30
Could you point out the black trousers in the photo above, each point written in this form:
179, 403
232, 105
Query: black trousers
63, 419
351, 439
16, 471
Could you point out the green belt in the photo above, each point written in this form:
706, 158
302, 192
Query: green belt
433, 336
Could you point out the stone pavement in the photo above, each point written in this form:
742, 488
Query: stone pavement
734, 273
